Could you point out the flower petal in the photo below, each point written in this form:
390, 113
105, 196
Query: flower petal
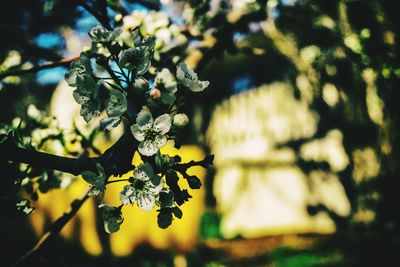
162, 124
137, 132
140, 174
148, 148
145, 201
127, 195
154, 190
160, 140
144, 119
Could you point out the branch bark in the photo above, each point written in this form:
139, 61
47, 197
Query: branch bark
55, 228
48, 161
63, 62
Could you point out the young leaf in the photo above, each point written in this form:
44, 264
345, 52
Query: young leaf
117, 103
110, 123
177, 212
164, 218
112, 217
166, 199
194, 182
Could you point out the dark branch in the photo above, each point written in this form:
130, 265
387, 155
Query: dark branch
102, 19
63, 62
47, 161
54, 229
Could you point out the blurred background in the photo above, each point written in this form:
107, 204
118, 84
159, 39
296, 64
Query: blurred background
301, 114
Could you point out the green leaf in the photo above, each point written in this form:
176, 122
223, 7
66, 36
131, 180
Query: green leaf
129, 58
137, 59
117, 103
99, 34
86, 83
164, 218
155, 179
177, 212
146, 167
166, 199
98, 180
112, 217
149, 42
89, 176
168, 98
81, 96
110, 123
194, 182
164, 161
89, 110
78, 68
137, 38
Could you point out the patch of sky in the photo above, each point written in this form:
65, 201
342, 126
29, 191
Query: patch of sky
242, 83
85, 22
130, 6
51, 76
238, 36
288, 2
275, 13
49, 40
115, 67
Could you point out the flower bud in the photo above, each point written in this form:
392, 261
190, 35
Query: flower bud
155, 93
180, 120
118, 17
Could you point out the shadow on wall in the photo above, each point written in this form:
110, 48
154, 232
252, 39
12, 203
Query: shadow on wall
259, 186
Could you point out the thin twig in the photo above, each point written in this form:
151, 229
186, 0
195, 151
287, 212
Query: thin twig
63, 62
55, 228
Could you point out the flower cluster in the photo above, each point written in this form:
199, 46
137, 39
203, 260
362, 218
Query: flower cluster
115, 76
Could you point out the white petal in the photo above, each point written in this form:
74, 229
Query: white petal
154, 190
137, 132
141, 175
148, 148
127, 195
144, 119
181, 70
145, 201
163, 124
198, 86
160, 140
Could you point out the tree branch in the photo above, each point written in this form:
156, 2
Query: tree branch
103, 20
63, 62
55, 228
48, 161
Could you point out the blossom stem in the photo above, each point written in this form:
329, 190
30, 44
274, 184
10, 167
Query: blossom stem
116, 181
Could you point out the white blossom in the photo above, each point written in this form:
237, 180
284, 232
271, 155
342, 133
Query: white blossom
142, 190
151, 133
